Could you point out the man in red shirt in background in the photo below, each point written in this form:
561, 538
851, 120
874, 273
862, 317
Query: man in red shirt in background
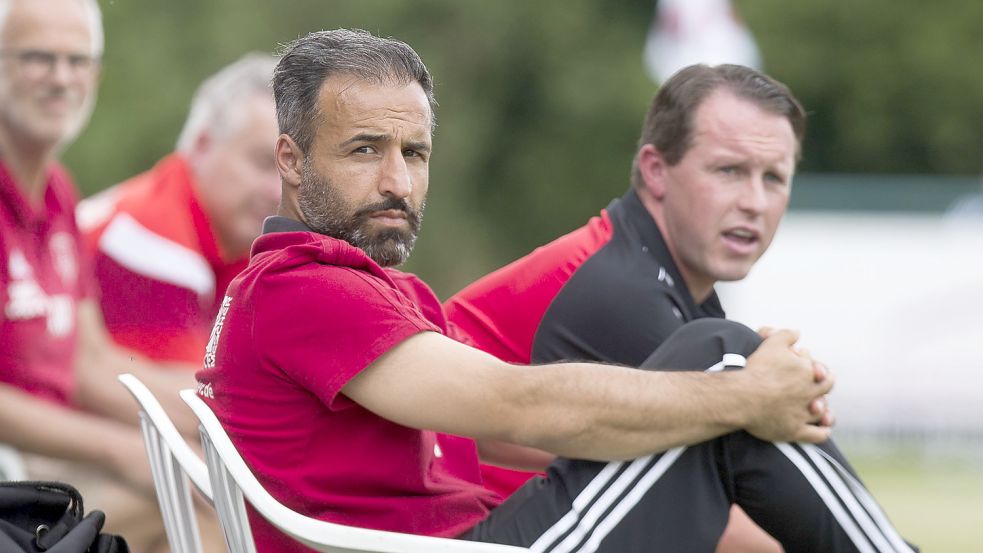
166, 243
60, 404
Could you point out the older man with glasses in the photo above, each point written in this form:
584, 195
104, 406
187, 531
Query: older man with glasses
56, 362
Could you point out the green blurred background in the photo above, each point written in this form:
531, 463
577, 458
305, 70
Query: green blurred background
540, 107
541, 102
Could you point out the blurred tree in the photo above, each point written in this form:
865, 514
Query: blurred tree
541, 102
892, 87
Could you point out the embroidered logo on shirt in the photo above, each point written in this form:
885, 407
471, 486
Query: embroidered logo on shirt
27, 300
205, 390
209, 362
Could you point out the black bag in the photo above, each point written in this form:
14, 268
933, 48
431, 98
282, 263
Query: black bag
40, 517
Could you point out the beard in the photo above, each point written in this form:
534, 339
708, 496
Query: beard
327, 213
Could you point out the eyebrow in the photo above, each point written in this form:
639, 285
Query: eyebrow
418, 145
373, 138
364, 137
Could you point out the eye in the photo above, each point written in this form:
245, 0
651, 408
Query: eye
37, 57
364, 150
728, 170
421, 154
774, 178
81, 61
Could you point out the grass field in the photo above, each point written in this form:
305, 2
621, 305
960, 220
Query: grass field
936, 503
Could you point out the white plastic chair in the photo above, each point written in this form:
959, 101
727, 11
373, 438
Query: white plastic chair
172, 463
233, 481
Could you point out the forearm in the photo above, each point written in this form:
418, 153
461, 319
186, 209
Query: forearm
590, 411
64, 433
99, 391
583, 410
595, 412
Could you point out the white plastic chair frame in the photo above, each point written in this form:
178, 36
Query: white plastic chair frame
233, 481
173, 463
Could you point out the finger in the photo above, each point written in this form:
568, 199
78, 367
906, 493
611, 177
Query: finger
765, 331
826, 385
817, 407
784, 337
819, 371
812, 434
802, 352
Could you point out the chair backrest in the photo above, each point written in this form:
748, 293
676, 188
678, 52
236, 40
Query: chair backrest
233, 482
173, 463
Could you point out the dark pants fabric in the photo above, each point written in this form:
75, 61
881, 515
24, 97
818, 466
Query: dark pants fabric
804, 495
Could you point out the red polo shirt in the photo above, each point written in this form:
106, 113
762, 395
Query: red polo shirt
306, 316
160, 270
42, 278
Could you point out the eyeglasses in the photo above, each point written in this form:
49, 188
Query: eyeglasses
38, 64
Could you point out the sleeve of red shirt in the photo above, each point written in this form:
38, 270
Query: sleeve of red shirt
421, 295
321, 325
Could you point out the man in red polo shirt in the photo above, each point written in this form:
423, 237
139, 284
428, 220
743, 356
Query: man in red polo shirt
166, 243
331, 372
57, 365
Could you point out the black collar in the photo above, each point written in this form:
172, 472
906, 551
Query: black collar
632, 213
278, 223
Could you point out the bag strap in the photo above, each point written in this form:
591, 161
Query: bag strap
75, 506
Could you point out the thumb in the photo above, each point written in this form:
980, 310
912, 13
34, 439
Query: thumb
813, 434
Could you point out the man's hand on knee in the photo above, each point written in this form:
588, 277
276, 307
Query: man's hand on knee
787, 389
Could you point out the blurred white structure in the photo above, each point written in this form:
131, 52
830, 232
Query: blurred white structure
892, 303
685, 32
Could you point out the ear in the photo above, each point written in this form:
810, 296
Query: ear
289, 160
652, 168
201, 144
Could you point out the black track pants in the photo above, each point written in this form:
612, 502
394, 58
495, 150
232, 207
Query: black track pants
804, 495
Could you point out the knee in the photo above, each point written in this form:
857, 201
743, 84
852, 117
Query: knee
703, 343
733, 336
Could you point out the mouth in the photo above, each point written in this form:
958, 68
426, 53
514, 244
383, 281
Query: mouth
58, 101
741, 240
394, 217
60, 113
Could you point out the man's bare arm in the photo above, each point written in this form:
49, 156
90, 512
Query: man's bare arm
36, 426
591, 411
100, 361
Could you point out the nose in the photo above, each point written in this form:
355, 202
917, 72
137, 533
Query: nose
395, 179
62, 72
753, 195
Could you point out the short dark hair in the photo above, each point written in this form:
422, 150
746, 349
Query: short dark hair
669, 122
308, 61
